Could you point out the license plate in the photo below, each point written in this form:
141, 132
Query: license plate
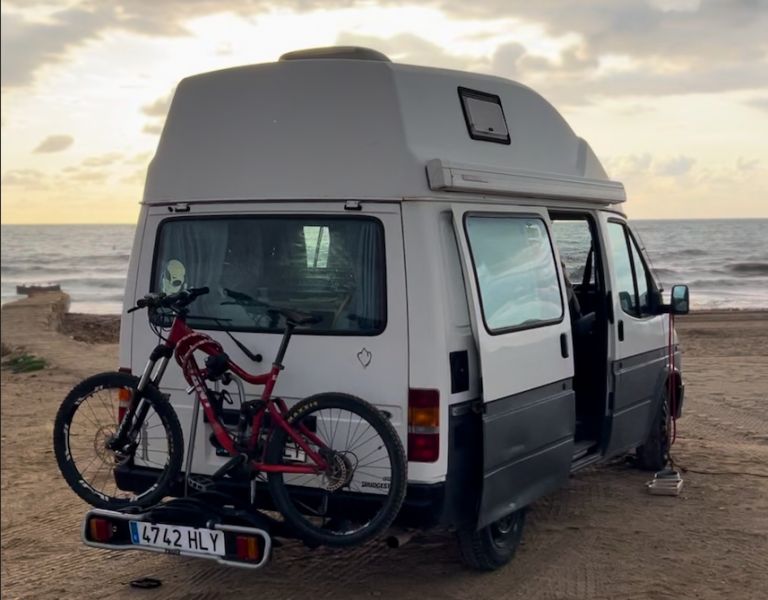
177, 538
294, 453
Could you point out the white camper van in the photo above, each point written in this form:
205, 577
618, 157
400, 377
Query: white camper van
469, 259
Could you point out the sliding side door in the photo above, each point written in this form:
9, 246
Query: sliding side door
522, 330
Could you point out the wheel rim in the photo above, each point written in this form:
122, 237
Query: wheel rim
93, 424
505, 530
359, 462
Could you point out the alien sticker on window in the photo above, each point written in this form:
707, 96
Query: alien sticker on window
174, 277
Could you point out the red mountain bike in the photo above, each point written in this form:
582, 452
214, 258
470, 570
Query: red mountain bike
335, 466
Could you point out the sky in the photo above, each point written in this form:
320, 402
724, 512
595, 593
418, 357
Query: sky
672, 95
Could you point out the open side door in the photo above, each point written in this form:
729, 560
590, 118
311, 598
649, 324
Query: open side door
639, 360
522, 327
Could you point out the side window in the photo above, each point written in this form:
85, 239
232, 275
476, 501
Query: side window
574, 240
641, 275
631, 275
515, 268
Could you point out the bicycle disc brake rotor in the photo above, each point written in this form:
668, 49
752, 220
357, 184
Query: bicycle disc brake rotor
339, 472
103, 435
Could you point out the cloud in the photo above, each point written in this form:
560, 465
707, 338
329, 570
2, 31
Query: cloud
27, 45
744, 164
54, 143
152, 128
705, 31
137, 177
26, 178
158, 108
674, 167
91, 175
102, 160
408, 48
759, 103
506, 59
142, 158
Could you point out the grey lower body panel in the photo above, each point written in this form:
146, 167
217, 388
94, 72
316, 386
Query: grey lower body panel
527, 448
638, 381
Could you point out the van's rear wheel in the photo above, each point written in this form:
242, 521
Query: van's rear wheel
492, 546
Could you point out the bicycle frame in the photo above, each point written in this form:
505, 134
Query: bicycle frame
183, 342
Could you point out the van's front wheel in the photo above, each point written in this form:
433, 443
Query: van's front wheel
654, 453
493, 546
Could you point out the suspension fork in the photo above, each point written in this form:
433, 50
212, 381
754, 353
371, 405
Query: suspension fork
139, 407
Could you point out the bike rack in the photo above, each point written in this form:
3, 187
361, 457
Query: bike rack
112, 529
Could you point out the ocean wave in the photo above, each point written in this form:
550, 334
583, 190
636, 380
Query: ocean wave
664, 272
733, 282
748, 268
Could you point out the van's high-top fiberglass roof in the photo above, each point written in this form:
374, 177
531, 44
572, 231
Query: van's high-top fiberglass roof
346, 123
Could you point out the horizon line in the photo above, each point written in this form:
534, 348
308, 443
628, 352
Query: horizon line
630, 219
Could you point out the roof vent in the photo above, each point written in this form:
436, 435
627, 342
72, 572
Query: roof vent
336, 52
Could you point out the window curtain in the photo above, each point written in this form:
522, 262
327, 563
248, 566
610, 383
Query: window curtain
200, 246
367, 300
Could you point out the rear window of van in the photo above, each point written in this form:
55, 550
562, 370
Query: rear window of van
331, 267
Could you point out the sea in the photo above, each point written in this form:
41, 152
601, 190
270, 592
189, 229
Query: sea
724, 262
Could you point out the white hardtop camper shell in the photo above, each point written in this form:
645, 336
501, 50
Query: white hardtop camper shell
387, 195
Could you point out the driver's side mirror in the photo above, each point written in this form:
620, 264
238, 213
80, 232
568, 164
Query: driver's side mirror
679, 302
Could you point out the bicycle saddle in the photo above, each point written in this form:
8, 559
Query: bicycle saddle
295, 317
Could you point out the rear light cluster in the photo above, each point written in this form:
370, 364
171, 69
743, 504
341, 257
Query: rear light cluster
423, 425
101, 530
123, 397
247, 548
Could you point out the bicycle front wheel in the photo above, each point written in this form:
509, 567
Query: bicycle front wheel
142, 471
360, 493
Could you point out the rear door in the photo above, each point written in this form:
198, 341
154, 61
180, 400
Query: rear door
346, 266
522, 330
638, 339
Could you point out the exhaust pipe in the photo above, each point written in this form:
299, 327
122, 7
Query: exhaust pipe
399, 539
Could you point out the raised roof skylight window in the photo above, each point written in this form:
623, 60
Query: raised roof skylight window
484, 116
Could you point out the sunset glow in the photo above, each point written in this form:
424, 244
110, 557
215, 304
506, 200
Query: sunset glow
672, 95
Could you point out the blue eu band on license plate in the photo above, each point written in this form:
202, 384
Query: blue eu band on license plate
178, 538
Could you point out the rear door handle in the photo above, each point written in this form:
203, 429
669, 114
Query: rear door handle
621, 330
564, 345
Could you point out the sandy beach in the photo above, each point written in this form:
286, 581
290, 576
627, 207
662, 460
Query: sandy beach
602, 536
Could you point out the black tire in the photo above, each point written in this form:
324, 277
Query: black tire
340, 527
493, 546
653, 455
68, 420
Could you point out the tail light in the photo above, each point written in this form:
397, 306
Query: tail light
123, 398
247, 548
100, 529
423, 425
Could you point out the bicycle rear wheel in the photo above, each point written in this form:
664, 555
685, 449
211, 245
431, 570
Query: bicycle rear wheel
88, 419
363, 489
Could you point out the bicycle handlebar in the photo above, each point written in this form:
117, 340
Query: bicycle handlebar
174, 301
